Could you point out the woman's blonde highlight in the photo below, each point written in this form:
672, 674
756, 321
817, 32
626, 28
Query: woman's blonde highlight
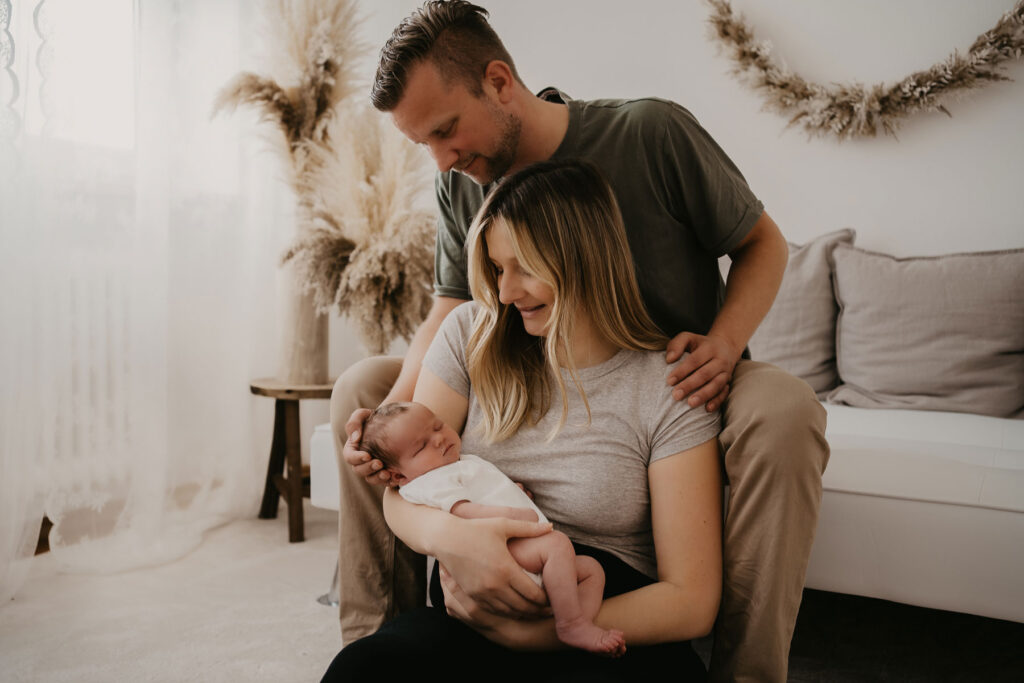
565, 227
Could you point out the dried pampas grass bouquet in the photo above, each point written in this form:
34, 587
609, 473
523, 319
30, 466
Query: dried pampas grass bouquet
364, 238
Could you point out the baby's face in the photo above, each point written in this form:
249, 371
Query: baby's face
421, 442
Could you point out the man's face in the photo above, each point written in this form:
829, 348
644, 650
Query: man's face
421, 442
472, 135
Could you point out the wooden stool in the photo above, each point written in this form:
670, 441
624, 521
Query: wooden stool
285, 474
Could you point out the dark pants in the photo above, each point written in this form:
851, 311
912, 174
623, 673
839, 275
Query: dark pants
427, 640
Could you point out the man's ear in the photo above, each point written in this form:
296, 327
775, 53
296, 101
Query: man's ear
498, 76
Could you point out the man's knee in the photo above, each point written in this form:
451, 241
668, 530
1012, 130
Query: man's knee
774, 424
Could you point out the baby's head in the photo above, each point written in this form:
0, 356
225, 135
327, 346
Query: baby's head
409, 439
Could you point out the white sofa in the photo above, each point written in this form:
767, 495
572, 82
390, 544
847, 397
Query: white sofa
924, 508
924, 492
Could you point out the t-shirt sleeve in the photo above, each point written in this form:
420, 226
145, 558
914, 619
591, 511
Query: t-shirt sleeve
449, 252
676, 427
704, 183
440, 488
446, 355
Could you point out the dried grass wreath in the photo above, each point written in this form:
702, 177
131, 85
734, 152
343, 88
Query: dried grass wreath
855, 110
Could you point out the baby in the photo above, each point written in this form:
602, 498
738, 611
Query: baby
422, 454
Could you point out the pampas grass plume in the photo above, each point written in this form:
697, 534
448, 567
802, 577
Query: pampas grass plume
364, 241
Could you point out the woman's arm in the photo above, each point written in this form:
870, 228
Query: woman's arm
686, 515
474, 551
686, 512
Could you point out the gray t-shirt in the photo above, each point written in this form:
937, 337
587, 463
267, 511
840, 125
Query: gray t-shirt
591, 480
683, 201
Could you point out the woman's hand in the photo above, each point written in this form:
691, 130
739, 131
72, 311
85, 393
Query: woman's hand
517, 634
476, 554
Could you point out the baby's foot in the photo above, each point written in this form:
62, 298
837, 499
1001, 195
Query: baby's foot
592, 638
613, 643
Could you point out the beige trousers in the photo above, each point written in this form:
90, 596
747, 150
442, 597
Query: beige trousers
774, 456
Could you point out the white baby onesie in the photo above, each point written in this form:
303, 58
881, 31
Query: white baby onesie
470, 478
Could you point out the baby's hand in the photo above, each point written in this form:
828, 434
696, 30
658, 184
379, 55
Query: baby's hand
529, 494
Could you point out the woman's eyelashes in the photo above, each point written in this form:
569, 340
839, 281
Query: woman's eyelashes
523, 272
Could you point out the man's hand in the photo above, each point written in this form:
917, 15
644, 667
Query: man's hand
704, 375
361, 461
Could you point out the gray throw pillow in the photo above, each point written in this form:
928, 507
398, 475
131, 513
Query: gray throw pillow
799, 332
931, 333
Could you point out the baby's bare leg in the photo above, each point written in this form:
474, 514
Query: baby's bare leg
574, 586
590, 578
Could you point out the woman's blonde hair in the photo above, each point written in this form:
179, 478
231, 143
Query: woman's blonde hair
566, 229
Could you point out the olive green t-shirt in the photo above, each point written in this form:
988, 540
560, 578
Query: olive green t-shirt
683, 201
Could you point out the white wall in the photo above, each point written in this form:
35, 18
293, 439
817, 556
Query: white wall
946, 184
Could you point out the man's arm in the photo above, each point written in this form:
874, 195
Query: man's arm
406, 382
469, 510
364, 465
758, 263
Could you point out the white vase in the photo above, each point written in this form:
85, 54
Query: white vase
304, 348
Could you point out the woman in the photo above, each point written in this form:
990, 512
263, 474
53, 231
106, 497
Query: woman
556, 374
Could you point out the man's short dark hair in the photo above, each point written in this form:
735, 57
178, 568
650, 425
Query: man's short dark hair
453, 34
373, 440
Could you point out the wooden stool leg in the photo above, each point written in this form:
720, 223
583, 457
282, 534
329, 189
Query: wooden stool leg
293, 461
275, 465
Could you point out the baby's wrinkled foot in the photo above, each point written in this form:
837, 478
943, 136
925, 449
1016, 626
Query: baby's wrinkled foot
613, 643
592, 638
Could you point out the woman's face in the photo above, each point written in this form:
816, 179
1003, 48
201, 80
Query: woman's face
517, 286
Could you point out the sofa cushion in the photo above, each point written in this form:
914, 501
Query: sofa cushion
928, 456
925, 508
799, 332
931, 333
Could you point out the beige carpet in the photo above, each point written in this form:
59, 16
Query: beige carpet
241, 607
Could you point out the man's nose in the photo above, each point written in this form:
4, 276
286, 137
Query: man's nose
444, 156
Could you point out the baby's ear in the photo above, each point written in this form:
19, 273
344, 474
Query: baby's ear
396, 476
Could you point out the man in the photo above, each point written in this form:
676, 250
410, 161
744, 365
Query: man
450, 85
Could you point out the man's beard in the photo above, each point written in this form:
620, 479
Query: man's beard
500, 161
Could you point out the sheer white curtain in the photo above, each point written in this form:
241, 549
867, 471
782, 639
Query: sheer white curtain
138, 280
